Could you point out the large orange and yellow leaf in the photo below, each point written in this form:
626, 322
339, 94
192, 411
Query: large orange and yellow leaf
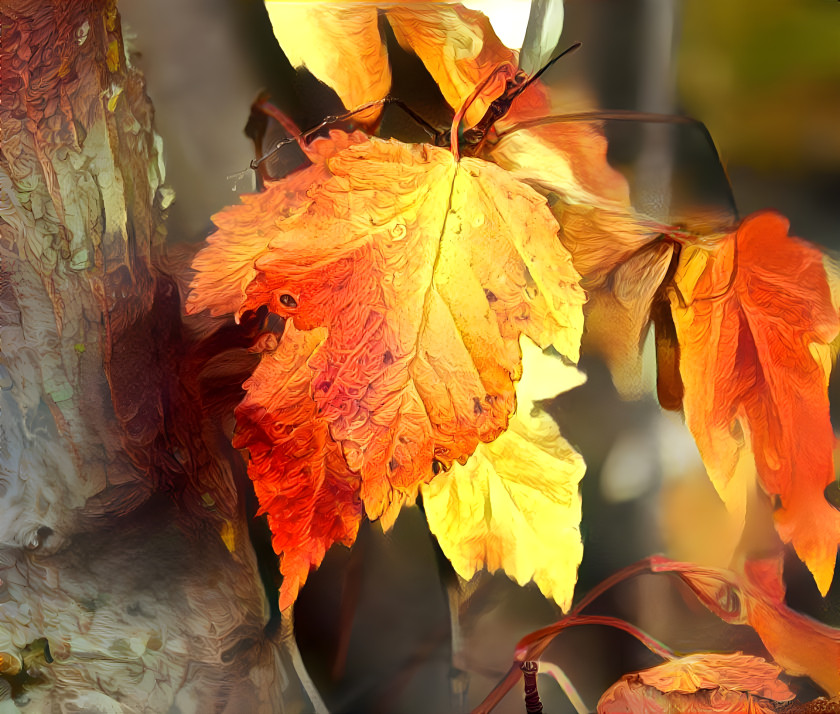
300, 477
515, 505
424, 272
754, 319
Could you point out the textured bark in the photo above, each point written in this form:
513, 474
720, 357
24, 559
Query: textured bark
123, 546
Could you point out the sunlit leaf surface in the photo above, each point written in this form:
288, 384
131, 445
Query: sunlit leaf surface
419, 274
515, 504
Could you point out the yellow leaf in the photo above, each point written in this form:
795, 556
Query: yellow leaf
339, 44
515, 505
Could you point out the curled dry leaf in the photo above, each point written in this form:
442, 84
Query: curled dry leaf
700, 683
624, 304
459, 48
419, 274
754, 322
515, 504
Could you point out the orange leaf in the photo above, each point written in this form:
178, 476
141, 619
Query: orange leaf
459, 48
754, 320
422, 273
700, 683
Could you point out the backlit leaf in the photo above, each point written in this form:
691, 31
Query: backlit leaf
515, 504
406, 278
340, 44
754, 320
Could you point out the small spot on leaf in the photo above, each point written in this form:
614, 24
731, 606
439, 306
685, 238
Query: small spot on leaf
832, 494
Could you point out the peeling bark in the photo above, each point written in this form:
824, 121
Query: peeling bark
128, 580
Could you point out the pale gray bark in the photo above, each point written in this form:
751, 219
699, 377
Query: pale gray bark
128, 580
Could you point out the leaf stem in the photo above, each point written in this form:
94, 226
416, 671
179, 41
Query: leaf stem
289, 642
533, 645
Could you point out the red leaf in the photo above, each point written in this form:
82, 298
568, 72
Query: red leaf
300, 477
754, 320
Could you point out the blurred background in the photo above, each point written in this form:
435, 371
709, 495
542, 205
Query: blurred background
764, 77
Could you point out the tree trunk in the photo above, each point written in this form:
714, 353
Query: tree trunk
128, 579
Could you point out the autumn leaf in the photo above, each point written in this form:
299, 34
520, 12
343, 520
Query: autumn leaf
801, 645
459, 48
620, 312
566, 159
700, 683
754, 320
515, 505
341, 45
422, 273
